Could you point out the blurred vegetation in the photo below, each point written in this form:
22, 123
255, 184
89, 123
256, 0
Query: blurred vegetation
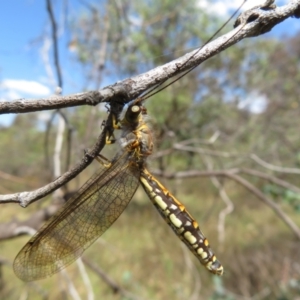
247, 97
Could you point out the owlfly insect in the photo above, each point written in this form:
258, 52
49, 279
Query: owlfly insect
103, 198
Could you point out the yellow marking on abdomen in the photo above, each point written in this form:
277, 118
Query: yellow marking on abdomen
175, 221
189, 237
204, 255
181, 230
200, 251
160, 202
182, 222
146, 184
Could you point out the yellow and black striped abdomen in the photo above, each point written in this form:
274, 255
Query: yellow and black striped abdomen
181, 222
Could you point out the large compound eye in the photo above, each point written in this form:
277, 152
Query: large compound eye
133, 113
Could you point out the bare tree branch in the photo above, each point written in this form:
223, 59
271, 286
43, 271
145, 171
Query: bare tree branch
55, 43
109, 281
62, 115
70, 286
272, 179
229, 207
44, 295
86, 279
273, 167
181, 146
275, 207
58, 146
6, 176
252, 23
102, 32
11, 229
232, 174
192, 272
25, 198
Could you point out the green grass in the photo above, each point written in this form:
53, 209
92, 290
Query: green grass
142, 254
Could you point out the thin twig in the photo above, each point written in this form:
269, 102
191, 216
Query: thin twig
192, 272
133, 87
58, 147
109, 281
225, 198
71, 287
180, 146
26, 198
13, 178
16, 228
278, 211
273, 167
224, 212
55, 43
270, 178
86, 279
232, 175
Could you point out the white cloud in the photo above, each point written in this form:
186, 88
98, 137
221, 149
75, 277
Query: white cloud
20, 88
224, 7
255, 103
44, 116
13, 89
10, 95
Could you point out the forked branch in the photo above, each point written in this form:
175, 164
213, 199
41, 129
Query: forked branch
251, 23
233, 174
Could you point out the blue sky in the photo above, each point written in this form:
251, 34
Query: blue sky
24, 27
26, 69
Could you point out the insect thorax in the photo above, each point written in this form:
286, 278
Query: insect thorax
136, 136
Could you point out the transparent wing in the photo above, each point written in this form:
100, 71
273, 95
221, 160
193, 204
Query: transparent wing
87, 215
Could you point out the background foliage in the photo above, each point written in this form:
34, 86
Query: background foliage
203, 123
